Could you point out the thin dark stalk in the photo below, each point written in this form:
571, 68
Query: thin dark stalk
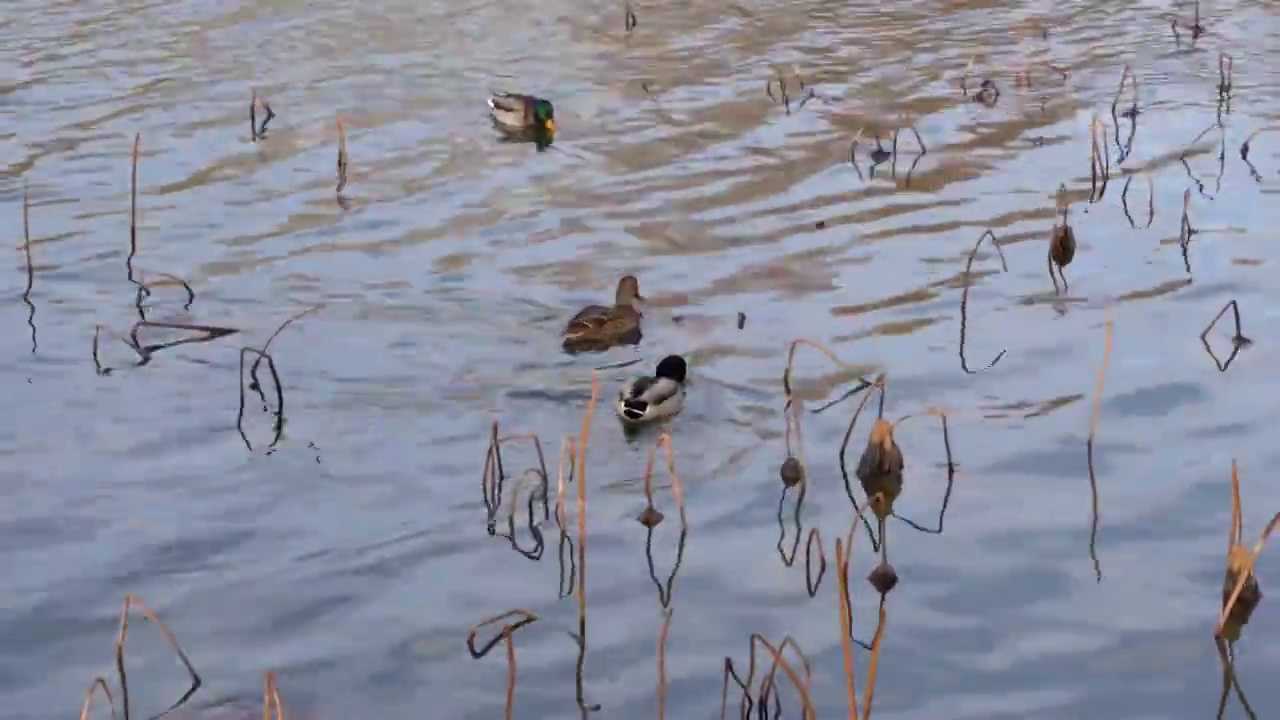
31, 270
131, 600
788, 559
951, 476
275, 378
1186, 231
964, 299
1151, 202
1226, 653
208, 333
844, 447
1238, 340
266, 347
651, 518
272, 703
342, 156
133, 209
581, 465
98, 684
662, 662
810, 582
97, 364
1093, 428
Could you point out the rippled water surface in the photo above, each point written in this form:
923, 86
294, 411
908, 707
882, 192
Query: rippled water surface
352, 558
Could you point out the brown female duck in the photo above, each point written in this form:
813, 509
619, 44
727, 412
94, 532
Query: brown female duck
598, 327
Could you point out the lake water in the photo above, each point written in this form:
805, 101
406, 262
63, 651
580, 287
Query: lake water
353, 558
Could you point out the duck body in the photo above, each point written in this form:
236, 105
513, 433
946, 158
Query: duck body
596, 328
648, 398
516, 112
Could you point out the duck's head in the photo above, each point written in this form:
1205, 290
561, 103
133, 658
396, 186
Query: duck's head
545, 116
672, 367
628, 292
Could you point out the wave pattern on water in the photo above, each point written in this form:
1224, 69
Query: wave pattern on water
352, 560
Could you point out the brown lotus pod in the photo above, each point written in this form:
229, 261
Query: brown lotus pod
880, 468
650, 517
883, 578
1250, 595
792, 472
1062, 246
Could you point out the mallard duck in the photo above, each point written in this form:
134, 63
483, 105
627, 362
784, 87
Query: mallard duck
597, 327
522, 113
988, 93
647, 398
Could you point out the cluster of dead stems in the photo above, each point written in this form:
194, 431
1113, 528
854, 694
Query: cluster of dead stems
879, 155
494, 478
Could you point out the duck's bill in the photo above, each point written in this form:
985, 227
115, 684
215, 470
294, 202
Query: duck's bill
550, 125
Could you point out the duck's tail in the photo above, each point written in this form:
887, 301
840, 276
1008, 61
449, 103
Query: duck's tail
633, 409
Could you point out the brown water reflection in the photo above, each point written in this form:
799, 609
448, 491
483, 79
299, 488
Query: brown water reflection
355, 571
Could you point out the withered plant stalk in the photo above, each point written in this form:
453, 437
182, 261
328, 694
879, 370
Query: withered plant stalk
133, 207
98, 683
1240, 562
581, 465
1186, 230
342, 156
31, 268
1127, 74
879, 384
791, 356
271, 695
651, 517
846, 632
131, 600
1099, 160
1238, 340
629, 19
1093, 428
964, 298
662, 662
508, 629
1151, 201
766, 686
811, 583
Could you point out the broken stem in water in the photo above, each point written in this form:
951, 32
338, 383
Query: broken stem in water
964, 299
844, 447
1240, 563
1100, 160
583, 437
133, 208
275, 378
1133, 82
1186, 230
130, 600
342, 156
1093, 428
662, 663
271, 695
98, 683
31, 269
791, 356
